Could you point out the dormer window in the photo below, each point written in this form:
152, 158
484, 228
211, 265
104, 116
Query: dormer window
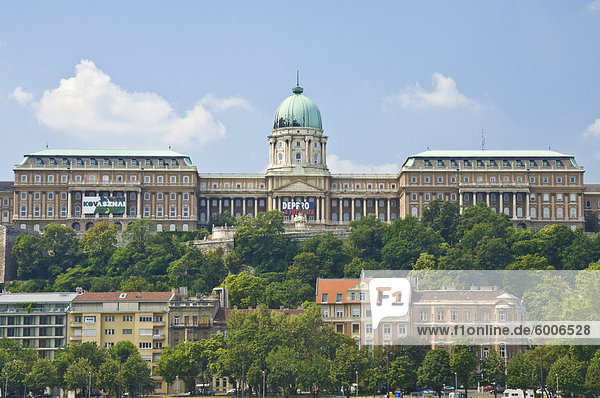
134, 162
559, 163
545, 163
440, 163
467, 163
453, 163
161, 162
174, 162
79, 162
121, 162
65, 162
427, 163
480, 163
93, 162
519, 163
148, 162
53, 161
493, 163
39, 161
532, 163
107, 162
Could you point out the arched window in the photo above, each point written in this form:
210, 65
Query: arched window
414, 212
334, 217
185, 227
77, 195
559, 212
507, 211
36, 211
159, 227
506, 197
573, 212
147, 196
186, 211
533, 212
357, 216
453, 196
519, 212
298, 157
50, 211
467, 197
63, 211
346, 217
119, 226
132, 211
316, 158
132, 196
393, 216
147, 211
479, 197
89, 225
202, 217
493, 197
76, 226
381, 217
280, 157
77, 211
546, 212
172, 227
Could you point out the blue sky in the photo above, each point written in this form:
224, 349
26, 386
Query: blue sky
390, 78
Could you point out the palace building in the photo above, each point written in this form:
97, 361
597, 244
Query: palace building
80, 188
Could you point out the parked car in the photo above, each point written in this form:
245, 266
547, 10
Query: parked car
489, 388
233, 391
448, 388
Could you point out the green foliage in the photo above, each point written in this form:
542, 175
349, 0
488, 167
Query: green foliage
136, 376
402, 373
43, 374
463, 362
521, 372
493, 368
434, 372
592, 376
570, 373
80, 374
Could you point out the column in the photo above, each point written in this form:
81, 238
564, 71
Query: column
501, 197
364, 206
474, 198
138, 211
377, 208
487, 198
220, 205
306, 150
274, 204
255, 211
527, 206
352, 215
317, 208
327, 212
126, 203
460, 202
324, 160
514, 205
68, 204
243, 206
231, 206
388, 215
208, 211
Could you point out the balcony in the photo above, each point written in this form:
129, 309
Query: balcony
158, 337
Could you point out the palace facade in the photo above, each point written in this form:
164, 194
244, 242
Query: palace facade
80, 188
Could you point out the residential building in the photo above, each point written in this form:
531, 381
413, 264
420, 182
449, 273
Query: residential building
38, 320
106, 318
6, 202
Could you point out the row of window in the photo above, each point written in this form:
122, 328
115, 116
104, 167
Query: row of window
414, 212
111, 318
143, 332
298, 158
492, 179
358, 186
31, 320
172, 211
237, 202
358, 216
106, 162
132, 195
493, 163
226, 185
106, 178
358, 203
493, 197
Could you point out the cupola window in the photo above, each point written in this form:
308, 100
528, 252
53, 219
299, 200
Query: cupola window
298, 157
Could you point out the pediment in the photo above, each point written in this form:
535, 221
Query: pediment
298, 186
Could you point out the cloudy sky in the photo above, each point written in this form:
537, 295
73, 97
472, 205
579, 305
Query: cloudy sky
391, 78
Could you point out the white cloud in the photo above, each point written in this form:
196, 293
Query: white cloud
92, 108
21, 96
594, 6
338, 165
222, 104
593, 129
444, 95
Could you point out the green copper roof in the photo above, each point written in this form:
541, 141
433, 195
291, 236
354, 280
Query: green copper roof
148, 153
297, 110
490, 154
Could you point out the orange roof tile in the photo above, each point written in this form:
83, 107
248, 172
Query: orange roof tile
332, 287
124, 296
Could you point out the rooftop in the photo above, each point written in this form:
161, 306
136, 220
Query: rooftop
331, 287
124, 296
40, 298
533, 153
6, 185
147, 153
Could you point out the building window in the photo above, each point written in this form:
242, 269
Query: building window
50, 211
36, 196
144, 345
572, 197
109, 332
324, 297
23, 212
159, 179
298, 157
173, 179
453, 197
37, 178
173, 211
572, 180
414, 197
466, 179
339, 313
426, 180
50, 178
546, 212
533, 212
338, 298
413, 180
159, 211
559, 197
145, 318
573, 212
36, 211
423, 316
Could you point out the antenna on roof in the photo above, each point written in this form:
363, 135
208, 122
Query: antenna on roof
169, 147
428, 148
46, 145
549, 147
297, 77
482, 140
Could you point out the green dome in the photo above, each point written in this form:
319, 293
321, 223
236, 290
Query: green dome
297, 110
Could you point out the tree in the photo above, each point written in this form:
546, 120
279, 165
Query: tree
138, 234
136, 376
305, 268
529, 262
570, 374
110, 377
99, 243
348, 360
245, 290
592, 376
29, 256
15, 371
122, 350
43, 374
402, 373
463, 362
283, 368
313, 373
367, 237
434, 372
136, 284
182, 361
80, 374
521, 373
493, 368
442, 216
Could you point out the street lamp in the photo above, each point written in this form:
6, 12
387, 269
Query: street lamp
89, 383
5, 384
177, 381
455, 381
357, 384
557, 384
263, 384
